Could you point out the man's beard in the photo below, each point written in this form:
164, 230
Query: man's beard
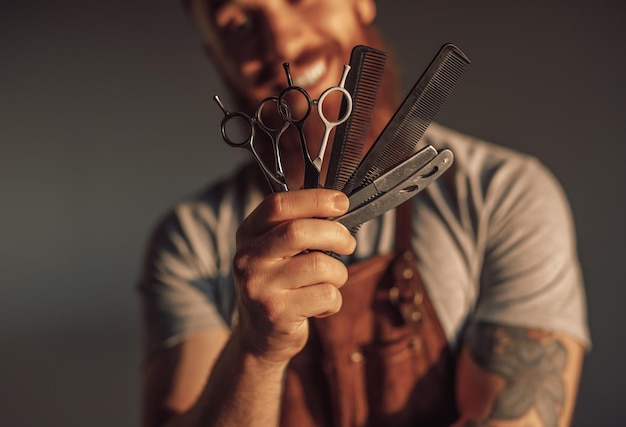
388, 94
387, 101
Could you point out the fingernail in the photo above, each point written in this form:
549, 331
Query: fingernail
341, 202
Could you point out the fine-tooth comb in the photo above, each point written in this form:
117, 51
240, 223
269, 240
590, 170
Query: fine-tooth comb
367, 67
401, 135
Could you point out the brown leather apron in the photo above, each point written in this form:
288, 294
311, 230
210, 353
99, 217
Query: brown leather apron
383, 360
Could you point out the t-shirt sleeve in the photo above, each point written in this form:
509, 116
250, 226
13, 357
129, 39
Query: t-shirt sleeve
180, 287
531, 275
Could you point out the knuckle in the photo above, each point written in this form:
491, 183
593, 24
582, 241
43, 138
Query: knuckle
342, 274
277, 205
318, 262
273, 310
331, 297
242, 262
243, 272
330, 270
291, 231
327, 292
249, 292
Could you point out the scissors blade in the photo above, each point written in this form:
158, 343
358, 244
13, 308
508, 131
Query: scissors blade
399, 193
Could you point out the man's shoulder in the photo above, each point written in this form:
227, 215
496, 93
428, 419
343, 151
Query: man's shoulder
231, 196
469, 149
485, 163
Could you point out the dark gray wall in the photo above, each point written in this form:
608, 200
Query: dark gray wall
106, 120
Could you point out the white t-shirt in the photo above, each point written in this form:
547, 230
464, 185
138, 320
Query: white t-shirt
493, 237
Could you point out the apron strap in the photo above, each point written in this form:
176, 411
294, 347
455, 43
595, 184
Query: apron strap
407, 292
404, 229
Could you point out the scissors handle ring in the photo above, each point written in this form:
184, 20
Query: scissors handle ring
285, 111
344, 93
259, 116
348, 98
249, 123
328, 124
228, 115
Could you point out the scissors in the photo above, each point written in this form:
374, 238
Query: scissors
274, 133
312, 167
276, 180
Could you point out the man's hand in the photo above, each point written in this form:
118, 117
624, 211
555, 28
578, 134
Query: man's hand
281, 276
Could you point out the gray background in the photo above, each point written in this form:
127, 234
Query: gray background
106, 120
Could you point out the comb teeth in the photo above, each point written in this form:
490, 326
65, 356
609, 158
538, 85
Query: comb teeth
399, 138
363, 82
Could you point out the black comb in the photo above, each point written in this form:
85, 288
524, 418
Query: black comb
367, 67
401, 135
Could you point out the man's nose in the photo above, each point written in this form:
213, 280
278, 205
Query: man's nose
286, 34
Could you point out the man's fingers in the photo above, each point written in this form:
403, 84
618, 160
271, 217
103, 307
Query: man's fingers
300, 271
314, 301
310, 269
279, 207
320, 295
293, 237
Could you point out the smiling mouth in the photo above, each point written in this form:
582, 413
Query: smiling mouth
311, 75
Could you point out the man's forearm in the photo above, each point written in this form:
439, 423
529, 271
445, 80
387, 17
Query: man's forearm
242, 390
515, 376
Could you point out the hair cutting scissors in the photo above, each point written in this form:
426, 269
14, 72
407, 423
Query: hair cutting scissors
312, 167
274, 133
276, 180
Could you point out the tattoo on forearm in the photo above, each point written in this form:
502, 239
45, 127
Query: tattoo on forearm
531, 362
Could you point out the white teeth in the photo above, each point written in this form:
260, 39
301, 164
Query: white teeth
311, 75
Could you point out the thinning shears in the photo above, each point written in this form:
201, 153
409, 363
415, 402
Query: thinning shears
276, 179
291, 114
